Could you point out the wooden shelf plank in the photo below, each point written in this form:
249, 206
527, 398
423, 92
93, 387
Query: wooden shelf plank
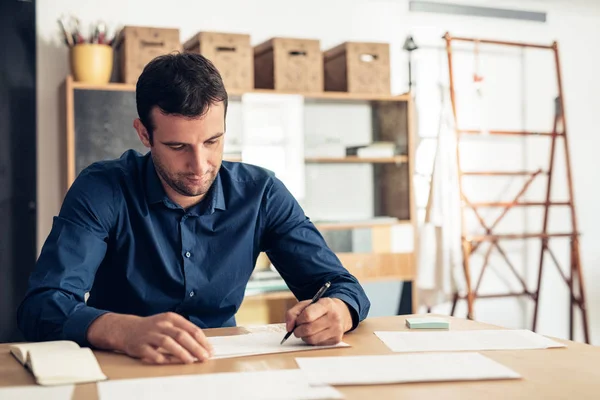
125, 87
345, 226
331, 95
373, 267
358, 160
337, 96
342, 160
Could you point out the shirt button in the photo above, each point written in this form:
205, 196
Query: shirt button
192, 293
188, 254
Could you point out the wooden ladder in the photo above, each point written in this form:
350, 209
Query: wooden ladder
470, 243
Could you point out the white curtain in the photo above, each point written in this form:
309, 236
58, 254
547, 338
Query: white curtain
440, 271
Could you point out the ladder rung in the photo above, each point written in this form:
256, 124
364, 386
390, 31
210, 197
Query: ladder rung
514, 133
490, 238
520, 204
498, 295
502, 173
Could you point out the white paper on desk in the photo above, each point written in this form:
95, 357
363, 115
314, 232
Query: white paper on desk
279, 328
64, 392
501, 339
403, 368
260, 343
273, 136
261, 385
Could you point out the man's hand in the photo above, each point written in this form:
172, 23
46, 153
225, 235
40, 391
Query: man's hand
322, 323
160, 339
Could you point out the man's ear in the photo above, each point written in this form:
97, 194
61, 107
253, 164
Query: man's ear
142, 132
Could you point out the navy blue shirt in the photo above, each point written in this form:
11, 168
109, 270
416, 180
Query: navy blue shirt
120, 238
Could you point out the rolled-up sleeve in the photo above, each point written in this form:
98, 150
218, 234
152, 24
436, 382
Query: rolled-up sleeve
301, 255
54, 306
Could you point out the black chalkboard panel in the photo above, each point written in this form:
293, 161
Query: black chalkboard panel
104, 126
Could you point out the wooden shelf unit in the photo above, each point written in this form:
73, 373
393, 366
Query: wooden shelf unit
234, 93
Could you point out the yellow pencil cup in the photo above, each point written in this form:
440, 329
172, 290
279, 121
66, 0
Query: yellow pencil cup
91, 62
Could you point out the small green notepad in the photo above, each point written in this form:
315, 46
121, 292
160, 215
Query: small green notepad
427, 323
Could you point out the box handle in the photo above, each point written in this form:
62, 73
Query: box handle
297, 53
368, 57
223, 48
146, 43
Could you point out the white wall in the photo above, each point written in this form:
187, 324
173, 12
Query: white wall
574, 25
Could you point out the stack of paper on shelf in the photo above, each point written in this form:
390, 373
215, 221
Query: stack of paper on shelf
374, 150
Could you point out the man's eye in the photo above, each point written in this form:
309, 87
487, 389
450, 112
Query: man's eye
179, 147
211, 142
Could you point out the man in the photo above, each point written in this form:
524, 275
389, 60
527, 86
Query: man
165, 243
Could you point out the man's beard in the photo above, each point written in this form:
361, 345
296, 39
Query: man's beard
178, 182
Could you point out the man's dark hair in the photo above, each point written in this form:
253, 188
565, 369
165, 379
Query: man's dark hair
185, 84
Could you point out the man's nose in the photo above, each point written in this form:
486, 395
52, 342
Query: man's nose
200, 163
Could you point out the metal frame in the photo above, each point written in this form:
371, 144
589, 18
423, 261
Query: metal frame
470, 243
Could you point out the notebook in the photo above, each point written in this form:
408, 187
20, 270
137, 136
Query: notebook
58, 362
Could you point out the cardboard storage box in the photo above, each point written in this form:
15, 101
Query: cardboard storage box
288, 64
358, 67
137, 45
231, 54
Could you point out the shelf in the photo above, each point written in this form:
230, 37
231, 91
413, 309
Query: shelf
337, 96
358, 160
342, 160
339, 226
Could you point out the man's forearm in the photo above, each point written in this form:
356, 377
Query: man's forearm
109, 330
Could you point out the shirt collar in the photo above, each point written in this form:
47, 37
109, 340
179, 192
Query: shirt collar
155, 192
154, 189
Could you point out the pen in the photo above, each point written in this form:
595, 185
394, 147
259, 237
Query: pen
314, 300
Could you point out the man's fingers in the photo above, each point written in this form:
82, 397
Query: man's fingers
172, 347
150, 355
312, 328
311, 313
185, 340
292, 314
195, 332
324, 337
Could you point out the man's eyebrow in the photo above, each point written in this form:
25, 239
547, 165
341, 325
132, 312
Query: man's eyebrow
215, 136
173, 143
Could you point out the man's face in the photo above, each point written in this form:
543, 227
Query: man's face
187, 153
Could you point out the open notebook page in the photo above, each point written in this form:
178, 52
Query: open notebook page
478, 340
68, 366
263, 385
20, 350
402, 368
260, 343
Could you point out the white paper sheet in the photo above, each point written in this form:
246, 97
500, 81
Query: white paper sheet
260, 343
466, 340
262, 385
403, 368
279, 328
37, 392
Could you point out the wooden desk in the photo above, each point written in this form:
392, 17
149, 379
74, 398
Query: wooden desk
572, 373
